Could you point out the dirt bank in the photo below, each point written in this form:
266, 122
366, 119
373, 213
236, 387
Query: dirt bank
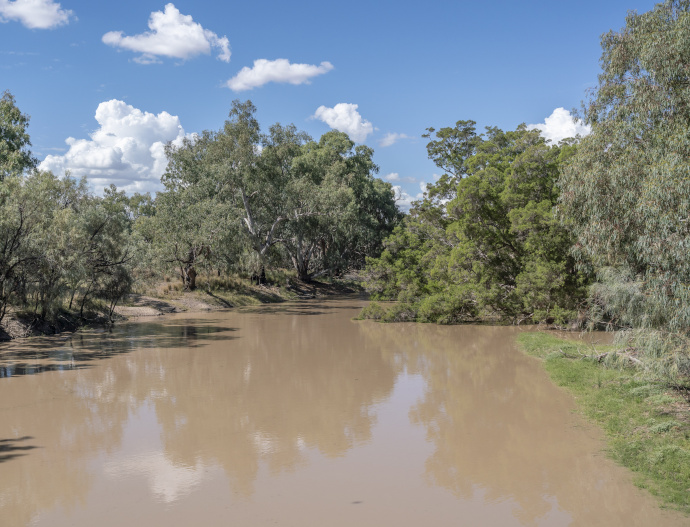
21, 325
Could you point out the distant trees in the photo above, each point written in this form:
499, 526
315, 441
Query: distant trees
237, 195
483, 242
626, 192
233, 199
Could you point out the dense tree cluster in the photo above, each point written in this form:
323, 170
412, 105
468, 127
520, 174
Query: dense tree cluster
484, 241
517, 228
237, 198
58, 242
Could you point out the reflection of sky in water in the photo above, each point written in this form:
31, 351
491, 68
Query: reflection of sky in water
167, 481
141, 457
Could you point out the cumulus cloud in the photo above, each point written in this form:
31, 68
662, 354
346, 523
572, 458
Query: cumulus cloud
127, 149
391, 138
345, 117
171, 34
35, 14
279, 70
560, 125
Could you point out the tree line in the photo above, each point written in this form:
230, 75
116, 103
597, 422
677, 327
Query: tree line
234, 200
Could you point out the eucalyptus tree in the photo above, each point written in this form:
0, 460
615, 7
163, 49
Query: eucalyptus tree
238, 191
225, 193
339, 213
626, 193
189, 221
251, 181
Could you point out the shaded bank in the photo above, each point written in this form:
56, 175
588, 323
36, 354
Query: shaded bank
164, 299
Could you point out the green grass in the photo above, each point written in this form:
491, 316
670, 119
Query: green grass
647, 424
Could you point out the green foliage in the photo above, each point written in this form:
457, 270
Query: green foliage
484, 240
239, 198
626, 192
396, 312
59, 242
645, 422
15, 158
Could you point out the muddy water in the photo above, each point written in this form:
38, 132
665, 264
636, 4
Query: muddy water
296, 415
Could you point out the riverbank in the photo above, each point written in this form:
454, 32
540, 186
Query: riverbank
165, 298
647, 424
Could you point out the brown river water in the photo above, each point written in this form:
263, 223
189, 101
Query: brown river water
296, 415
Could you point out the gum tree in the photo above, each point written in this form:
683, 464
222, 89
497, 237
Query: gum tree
626, 193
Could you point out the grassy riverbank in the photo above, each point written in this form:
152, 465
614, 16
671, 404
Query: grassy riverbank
647, 424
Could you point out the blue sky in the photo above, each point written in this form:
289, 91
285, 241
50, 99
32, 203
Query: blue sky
108, 83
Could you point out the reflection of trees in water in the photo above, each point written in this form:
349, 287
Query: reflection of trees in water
280, 383
502, 429
66, 430
71, 416
268, 391
290, 383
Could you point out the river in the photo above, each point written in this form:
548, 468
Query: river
296, 415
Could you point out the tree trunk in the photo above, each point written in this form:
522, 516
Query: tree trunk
303, 274
188, 277
191, 276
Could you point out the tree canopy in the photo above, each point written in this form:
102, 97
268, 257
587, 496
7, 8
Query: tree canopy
237, 195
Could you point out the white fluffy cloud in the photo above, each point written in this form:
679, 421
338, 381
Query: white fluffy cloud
35, 14
560, 125
345, 117
391, 138
279, 70
127, 149
171, 34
